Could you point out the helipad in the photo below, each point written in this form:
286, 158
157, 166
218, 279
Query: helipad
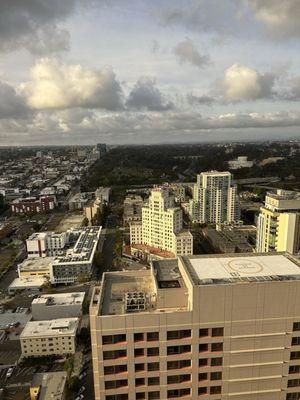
222, 267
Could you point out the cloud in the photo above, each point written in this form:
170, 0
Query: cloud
57, 85
12, 105
204, 99
146, 96
33, 24
242, 83
280, 17
187, 52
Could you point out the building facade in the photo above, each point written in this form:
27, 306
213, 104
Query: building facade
30, 205
46, 244
278, 226
201, 327
161, 226
215, 199
46, 338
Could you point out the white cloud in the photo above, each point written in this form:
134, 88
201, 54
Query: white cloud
57, 85
242, 83
187, 52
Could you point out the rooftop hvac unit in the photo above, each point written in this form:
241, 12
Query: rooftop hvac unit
135, 301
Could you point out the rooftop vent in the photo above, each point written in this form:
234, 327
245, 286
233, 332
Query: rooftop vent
135, 301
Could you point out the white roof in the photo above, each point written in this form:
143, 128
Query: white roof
60, 299
30, 282
55, 327
243, 267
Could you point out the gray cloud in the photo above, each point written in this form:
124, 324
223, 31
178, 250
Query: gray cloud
204, 99
32, 24
146, 96
280, 17
187, 52
12, 105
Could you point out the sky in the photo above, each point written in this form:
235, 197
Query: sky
141, 71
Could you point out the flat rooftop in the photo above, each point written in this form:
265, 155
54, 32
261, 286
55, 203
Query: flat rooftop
55, 327
30, 282
60, 299
51, 384
39, 263
241, 267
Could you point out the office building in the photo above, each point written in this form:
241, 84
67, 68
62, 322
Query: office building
132, 209
32, 205
215, 199
57, 305
161, 227
46, 244
77, 262
199, 327
49, 386
35, 267
46, 338
240, 162
278, 226
29, 285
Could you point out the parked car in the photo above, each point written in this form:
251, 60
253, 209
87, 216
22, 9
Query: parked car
81, 390
9, 372
80, 397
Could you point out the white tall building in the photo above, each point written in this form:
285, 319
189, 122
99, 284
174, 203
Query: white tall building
46, 244
278, 226
161, 226
215, 198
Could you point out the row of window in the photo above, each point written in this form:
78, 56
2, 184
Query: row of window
293, 396
171, 335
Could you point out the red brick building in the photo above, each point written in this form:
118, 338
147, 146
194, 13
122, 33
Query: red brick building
32, 205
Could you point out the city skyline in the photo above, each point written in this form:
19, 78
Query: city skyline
87, 71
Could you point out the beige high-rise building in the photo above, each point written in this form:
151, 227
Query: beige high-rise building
199, 327
215, 199
278, 226
161, 226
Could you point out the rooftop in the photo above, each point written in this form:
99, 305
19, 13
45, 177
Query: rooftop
60, 299
153, 250
55, 327
218, 269
284, 195
30, 282
35, 263
51, 384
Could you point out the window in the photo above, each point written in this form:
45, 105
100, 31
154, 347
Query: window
216, 376
296, 326
217, 332
178, 393
178, 364
178, 378
293, 396
203, 332
152, 336
203, 347
295, 341
153, 395
140, 396
214, 362
294, 369
116, 384
138, 337
152, 351
138, 352
115, 369
173, 335
215, 390
293, 382
202, 390
153, 381
202, 377
111, 339
123, 396
112, 355
203, 362
295, 355
153, 366
178, 349
216, 346
139, 381
139, 367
